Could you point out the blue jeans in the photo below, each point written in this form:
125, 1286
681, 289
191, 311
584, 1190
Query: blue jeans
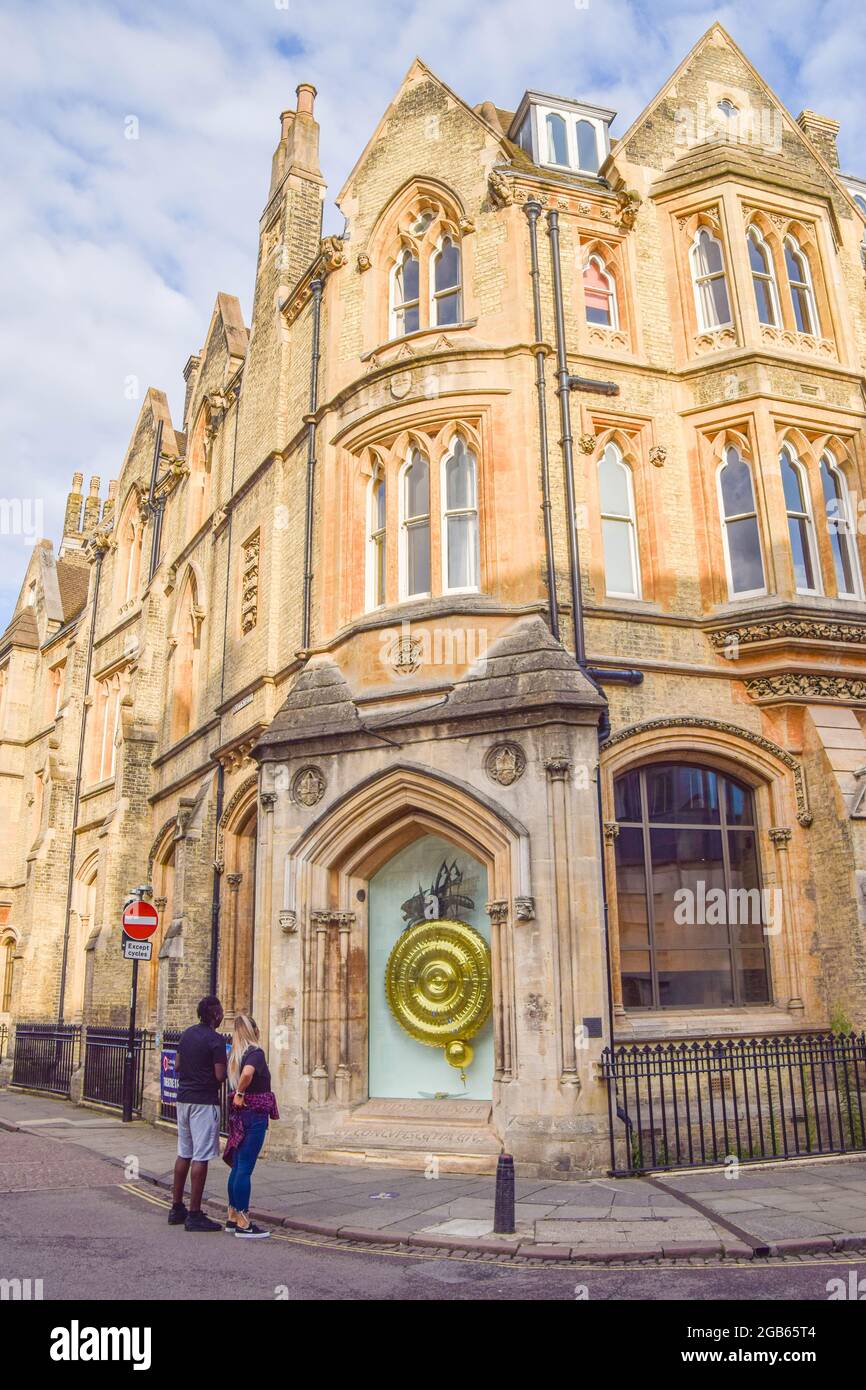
240, 1177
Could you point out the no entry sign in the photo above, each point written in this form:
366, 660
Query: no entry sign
140, 920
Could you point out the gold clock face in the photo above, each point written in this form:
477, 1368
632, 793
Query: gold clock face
438, 982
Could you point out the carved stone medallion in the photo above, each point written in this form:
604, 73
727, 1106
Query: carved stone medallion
505, 763
308, 786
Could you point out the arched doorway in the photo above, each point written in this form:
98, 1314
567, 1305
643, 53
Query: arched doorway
430, 879
238, 901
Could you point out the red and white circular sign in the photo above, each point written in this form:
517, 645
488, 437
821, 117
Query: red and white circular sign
140, 920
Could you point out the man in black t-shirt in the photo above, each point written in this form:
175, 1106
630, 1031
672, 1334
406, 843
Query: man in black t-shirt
201, 1069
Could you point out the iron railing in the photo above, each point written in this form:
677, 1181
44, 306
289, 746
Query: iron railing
697, 1104
45, 1056
104, 1053
4, 1038
170, 1038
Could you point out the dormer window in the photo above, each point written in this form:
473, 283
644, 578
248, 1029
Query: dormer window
563, 134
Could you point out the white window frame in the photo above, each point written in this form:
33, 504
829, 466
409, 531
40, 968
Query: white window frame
807, 284
806, 516
611, 285
571, 119
631, 521
404, 527
445, 513
371, 532
736, 594
699, 278
436, 295
394, 328
754, 233
853, 551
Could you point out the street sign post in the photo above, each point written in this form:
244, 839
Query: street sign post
139, 921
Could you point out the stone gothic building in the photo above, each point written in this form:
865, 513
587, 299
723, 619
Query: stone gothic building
507, 574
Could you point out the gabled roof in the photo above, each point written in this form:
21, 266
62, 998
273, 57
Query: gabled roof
718, 33
419, 69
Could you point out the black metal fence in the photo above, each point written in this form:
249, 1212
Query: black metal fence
695, 1104
104, 1052
45, 1056
167, 1111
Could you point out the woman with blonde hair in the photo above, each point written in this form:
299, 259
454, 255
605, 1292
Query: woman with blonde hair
252, 1104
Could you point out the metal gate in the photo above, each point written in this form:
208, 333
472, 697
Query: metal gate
697, 1104
104, 1051
45, 1055
167, 1111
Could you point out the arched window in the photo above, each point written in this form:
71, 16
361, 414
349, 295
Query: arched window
8, 974
446, 284
185, 662
740, 531
618, 527
557, 139
587, 147
110, 700
691, 912
801, 529
800, 285
405, 296
415, 541
127, 561
841, 528
199, 478
599, 292
460, 518
763, 279
377, 549
710, 281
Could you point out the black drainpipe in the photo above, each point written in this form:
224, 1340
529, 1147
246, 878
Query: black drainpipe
597, 675
155, 507
61, 1001
533, 212
562, 390
316, 289
220, 771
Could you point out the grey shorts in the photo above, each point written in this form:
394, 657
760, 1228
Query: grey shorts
198, 1131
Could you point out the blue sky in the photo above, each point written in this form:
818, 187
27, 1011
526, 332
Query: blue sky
114, 249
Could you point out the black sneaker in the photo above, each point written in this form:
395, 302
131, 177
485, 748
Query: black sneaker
251, 1232
230, 1227
177, 1215
197, 1221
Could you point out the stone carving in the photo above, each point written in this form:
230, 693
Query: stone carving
812, 629
524, 909
558, 768
658, 455
288, 920
780, 836
611, 831
332, 249
250, 582
807, 685
505, 763
501, 192
687, 721
497, 912
629, 205
308, 786
586, 443
363, 261
536, 1012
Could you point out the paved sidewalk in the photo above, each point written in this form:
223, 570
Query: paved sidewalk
783, 1208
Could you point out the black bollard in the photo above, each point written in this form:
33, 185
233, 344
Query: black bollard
503, 1215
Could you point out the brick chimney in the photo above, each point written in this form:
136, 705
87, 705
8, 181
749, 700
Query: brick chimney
109, 503
822, 131
91, 506
298, 148
72, 516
